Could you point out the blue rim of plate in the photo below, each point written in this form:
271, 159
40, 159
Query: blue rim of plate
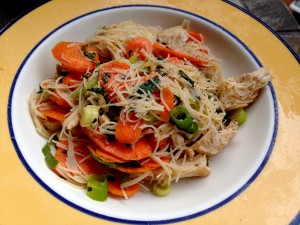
114, 219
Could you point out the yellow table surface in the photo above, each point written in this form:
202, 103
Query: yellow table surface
274, 196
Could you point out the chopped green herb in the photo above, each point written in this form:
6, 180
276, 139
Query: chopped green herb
63, 73
100, 112
110, 137
97, 90
150, 85
186, 77
86, 75
114, 113
106, 78
129, 52
40, 91
133, 164
88, 54
111, 165
46, 149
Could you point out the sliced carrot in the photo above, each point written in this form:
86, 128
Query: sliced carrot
108, 71
168, 103
196, 35
57, 113
72, 57
72, 79
162, 50
96, 151
153, 141
89, 165
128, 132
59, 100
140, 150
148, 166
148, 76
115, 188
136, 45
175, 60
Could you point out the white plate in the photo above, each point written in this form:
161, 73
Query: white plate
232, 170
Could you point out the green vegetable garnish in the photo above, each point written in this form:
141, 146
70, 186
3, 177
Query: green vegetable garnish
91, 83
106, 78
193, 128
181, 117
97, 90
50, 159
89, 115
161, 190
186, 77
97, 187
239, 115
88, 54
150, 85
133, 58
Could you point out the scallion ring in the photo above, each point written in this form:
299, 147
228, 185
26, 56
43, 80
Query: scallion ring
181, 117
192, 129
161, 190
97, 187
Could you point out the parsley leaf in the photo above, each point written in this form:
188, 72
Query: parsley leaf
97, 90
186, 77
150, 85
105, 78
88, 54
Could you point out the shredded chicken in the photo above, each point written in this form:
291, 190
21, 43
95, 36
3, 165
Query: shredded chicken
238, 92
215, 140
173, 36
194, 167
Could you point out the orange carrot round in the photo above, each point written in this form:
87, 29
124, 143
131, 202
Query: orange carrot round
57, 113
108, 71
59, 100
140, 150
128, 132
115, 189
168, 103
71, 79
136, 45
175, 60
153, 141
75, 57
145, 167
89, 165
196, 35
106, 157
162, 50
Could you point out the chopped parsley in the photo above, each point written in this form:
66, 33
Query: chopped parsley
97, 90
88, 54
186, 77
106, 78
150, 85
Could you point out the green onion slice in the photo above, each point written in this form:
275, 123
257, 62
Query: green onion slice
161, 190
186, 77
97, 187
50, 159
181, 117
239, 115
193, 128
